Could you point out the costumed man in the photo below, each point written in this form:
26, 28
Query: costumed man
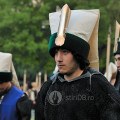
76, 92
14, 76
14, 103
117, 56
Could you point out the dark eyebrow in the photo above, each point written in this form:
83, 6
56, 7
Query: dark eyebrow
117, 58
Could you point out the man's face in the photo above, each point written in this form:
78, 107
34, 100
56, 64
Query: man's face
65, 62
117, 61
4, 86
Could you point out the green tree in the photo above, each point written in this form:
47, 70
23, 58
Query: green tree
25, 31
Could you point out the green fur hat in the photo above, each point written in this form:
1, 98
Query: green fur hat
72, 43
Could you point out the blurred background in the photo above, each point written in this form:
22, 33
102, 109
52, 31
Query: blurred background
25, 32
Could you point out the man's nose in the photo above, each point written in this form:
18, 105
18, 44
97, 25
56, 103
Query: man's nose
59, 57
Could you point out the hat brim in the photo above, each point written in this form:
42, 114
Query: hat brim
5, 77
72, 43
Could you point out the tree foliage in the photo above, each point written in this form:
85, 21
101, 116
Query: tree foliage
25, 31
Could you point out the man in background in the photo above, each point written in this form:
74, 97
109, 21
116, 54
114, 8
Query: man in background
14, 103
117, 62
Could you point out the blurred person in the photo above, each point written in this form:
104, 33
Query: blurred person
117, 56
32, 91
14, 103
77, 91
117, 62
14, 76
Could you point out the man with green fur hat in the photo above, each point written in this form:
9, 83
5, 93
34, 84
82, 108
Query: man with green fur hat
77, 91
14, 103
117, 56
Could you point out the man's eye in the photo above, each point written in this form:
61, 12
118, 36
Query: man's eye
117, 59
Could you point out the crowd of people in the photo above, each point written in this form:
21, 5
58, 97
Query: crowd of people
76, 90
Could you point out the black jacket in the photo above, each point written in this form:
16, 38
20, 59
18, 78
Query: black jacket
117, 82
88, 97
24, 106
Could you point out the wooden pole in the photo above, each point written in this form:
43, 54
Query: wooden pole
45, 77
117, 32
108, 53
39, 79
24, 81
58, 8
37, 82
